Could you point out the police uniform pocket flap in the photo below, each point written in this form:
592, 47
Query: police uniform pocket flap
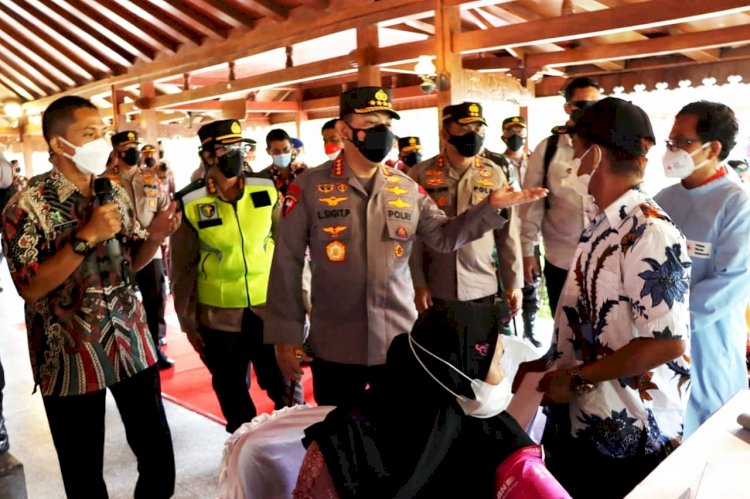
260, 199
399, 231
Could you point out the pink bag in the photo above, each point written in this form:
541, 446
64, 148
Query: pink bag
523, 475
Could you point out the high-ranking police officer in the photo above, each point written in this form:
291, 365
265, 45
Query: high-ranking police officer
359, 219
221, 259
457, 179
409, 152
144, 189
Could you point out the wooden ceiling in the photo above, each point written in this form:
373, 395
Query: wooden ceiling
292, 57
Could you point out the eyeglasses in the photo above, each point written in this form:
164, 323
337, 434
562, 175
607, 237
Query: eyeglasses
679, 143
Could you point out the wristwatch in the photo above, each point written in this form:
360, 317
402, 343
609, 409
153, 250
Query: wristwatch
578, 384
81, 246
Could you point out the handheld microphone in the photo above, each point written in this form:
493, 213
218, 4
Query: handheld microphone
105, 194
103, 190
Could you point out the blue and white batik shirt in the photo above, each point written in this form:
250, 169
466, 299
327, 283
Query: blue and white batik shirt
629, 279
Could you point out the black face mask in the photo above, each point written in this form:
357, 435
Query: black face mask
374, 143
230, 165
581, 106
514, 142
130, 156
413, 158
150, 162
467, 145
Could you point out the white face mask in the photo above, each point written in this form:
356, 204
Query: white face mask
282, 160
91, 158
580, 183
680, 164
489, 400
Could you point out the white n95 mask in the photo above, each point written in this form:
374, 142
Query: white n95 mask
91, 158
680, 164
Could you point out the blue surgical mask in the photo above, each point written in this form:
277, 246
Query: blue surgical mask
282, 160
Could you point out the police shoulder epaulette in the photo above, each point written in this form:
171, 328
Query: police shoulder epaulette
191, 187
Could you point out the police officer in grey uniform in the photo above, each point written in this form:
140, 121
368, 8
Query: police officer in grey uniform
144, 189
360, 220
457, 179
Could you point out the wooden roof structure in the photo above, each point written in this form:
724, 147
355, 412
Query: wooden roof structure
165, 65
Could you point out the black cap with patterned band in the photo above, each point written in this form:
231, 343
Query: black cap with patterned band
363, 100
464, 113
222, 132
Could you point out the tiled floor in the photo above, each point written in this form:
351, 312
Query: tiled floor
198, 442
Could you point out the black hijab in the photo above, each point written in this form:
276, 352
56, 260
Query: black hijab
410, 438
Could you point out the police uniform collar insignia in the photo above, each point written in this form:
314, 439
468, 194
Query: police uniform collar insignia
337, 169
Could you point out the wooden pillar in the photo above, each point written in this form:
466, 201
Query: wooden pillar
368, 74
118, 120
149, 124
447, 62
300, 114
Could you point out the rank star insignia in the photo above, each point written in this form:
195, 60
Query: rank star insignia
399, 203
398, 250
485, 173
325, 188
335, 231
484, 182
336, 251
396, 190
333, 200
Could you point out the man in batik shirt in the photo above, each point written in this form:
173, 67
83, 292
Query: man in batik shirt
69, 242
622, 328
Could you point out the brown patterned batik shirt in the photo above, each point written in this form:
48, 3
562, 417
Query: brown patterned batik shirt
90, 332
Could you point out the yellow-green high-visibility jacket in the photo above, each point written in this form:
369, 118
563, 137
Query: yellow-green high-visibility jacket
236, 243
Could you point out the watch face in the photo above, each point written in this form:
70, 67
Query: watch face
81, 247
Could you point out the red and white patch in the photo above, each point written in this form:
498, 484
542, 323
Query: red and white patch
291, 199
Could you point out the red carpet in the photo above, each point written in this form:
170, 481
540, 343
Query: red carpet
189, 382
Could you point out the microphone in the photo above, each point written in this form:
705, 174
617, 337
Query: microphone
105, 194
103, 190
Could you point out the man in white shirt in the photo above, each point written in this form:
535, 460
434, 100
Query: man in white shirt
621, 349
559, 220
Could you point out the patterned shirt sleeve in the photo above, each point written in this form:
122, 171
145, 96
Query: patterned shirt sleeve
657, 280
22, 241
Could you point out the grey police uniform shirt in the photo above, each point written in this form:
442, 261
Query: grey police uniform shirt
144, 191
359, 248
471, 272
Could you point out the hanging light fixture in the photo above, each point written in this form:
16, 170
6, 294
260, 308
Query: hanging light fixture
427, 71
12, 108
